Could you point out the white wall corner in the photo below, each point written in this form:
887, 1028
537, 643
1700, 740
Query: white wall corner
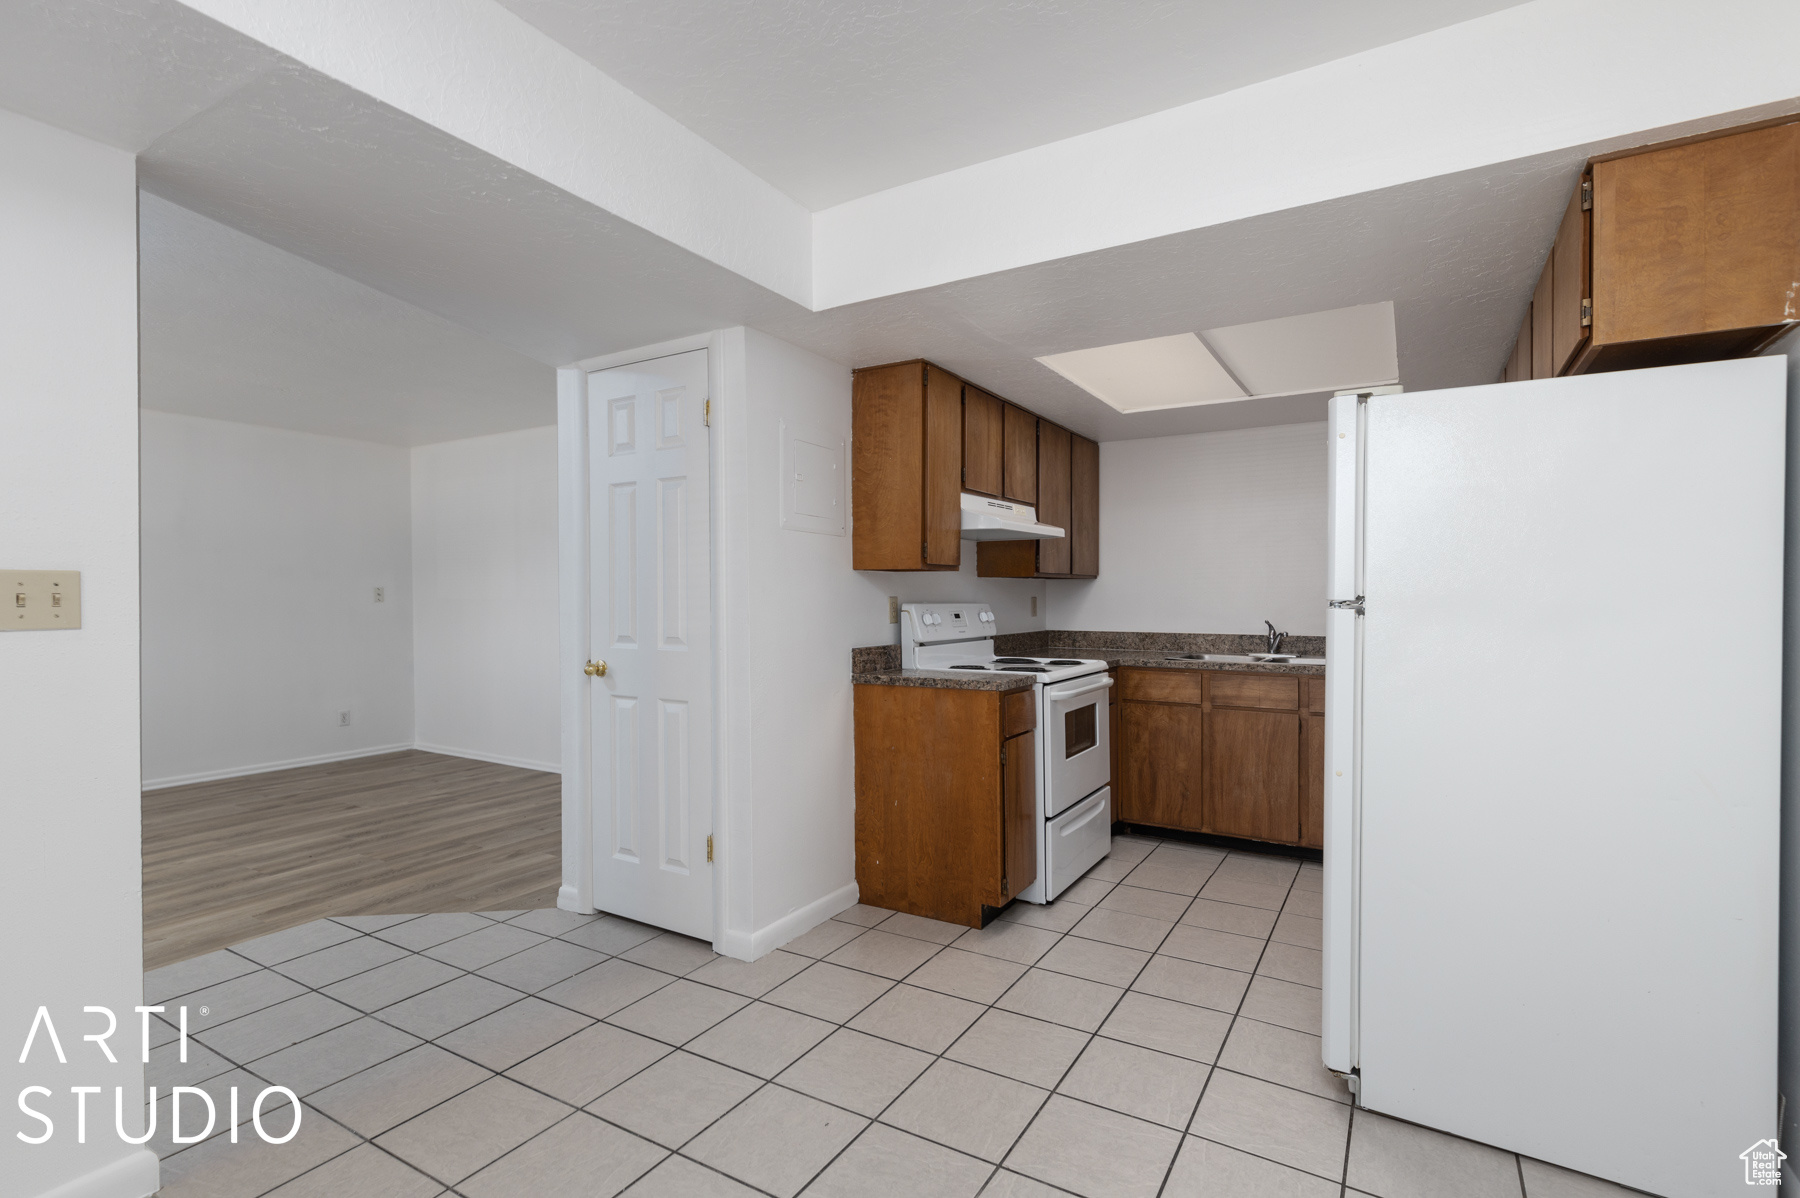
138, 1174
733, 563
573, 586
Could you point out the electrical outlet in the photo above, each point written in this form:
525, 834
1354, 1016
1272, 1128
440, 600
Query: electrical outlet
893, 609
1034, 605
381, 594
343, 719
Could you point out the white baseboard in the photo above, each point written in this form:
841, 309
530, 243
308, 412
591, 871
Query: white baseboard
269, 767
136, 1175
524, 763
569, 899
748, 946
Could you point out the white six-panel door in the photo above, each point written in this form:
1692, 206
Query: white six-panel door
651, 625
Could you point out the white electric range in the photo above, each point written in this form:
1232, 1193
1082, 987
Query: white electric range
1074, 736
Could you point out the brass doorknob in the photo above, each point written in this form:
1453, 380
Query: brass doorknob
595, 669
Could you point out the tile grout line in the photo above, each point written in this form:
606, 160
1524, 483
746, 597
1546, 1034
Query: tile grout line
1058, 937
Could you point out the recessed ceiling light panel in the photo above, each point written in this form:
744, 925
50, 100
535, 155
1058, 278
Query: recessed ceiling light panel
1143, 376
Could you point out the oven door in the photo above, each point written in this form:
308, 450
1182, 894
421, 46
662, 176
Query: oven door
1077, 742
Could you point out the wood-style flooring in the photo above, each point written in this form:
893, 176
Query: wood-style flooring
229, 860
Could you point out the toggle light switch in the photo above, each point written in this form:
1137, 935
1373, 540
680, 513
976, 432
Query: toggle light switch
42, 599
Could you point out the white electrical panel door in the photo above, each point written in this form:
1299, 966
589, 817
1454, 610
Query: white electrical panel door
652, 626
1571, 767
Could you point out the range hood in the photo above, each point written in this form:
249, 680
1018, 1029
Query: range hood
985, 519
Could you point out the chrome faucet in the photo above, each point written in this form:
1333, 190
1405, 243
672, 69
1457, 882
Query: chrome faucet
1275, 638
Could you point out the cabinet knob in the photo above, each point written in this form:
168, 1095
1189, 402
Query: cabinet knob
595, 669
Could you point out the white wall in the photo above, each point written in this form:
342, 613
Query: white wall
485, 598
70, 861
788, 641
1208, 532
262, 551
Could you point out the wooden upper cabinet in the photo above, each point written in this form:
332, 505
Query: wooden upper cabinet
1570, 268
1698, 238
1518, 365
1053, 496
1540, 322
983, 442
906, 468
922, 436
1020, 484
1084, 507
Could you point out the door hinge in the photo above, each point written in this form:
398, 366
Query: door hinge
706, 413
1355, 605
1002, 754
1587, 313
709, 849
1587, 195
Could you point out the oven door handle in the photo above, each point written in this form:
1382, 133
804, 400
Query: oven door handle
1059, 696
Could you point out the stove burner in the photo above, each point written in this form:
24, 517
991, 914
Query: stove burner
968, 667
1022, 661
1064, 661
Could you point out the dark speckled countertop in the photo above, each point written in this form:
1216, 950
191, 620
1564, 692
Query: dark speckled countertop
879, 665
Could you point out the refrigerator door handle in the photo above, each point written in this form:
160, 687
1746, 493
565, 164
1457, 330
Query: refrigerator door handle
1355, 605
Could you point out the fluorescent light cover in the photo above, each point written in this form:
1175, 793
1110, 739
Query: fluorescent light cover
1142, 376
1319, 351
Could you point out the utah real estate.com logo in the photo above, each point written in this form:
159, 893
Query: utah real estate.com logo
1762, 1163
34, 1100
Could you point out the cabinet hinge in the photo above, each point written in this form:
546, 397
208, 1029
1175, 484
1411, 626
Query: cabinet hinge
706, 413
1587, 313
1002, 754
709, 849
1587, 195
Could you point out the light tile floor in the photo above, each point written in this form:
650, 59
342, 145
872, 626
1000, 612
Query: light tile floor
1153, 1032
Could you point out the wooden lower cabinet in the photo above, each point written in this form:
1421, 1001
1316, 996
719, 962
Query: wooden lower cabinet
1228, 753
1252, 761
1312, 780
1159, 780
946, 833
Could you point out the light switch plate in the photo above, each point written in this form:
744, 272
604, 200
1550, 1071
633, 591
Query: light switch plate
41, 599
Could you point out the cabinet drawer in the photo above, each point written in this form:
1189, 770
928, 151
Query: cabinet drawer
1161, 686
1018, 713
1279, 693
1315, 695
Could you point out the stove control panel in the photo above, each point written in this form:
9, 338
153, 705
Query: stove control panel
928, 623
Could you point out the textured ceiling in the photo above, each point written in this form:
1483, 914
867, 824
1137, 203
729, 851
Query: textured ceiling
834, 99
235, 329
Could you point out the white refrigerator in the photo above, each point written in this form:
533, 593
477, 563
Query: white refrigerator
1553, 755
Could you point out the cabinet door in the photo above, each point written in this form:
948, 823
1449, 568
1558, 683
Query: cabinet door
1312, 781
1020, 484
1697, 238
1053, 496
1084, 507
1540, 323
1253, 774
1018, 813
1568, 285
943, 469
982, 437
1160, 763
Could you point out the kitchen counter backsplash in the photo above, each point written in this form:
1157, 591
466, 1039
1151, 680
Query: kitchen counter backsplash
1098, 644
883, 659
